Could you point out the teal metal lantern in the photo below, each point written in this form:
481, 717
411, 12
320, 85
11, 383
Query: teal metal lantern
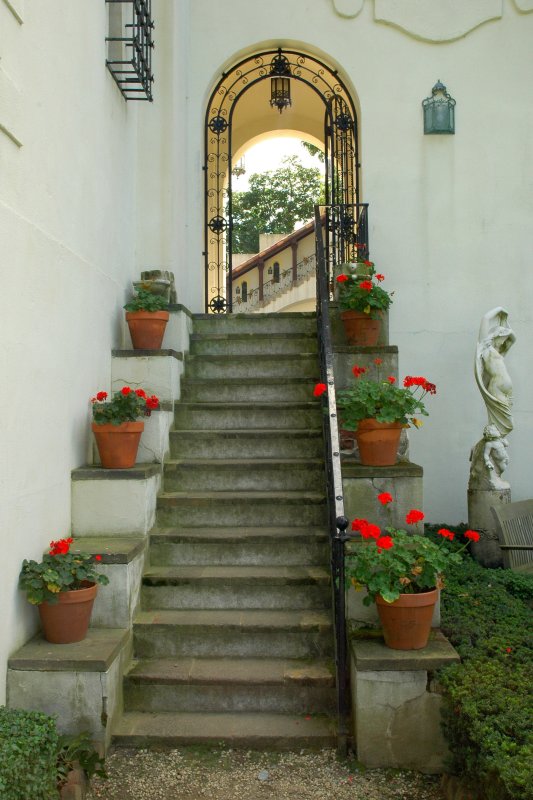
439, 111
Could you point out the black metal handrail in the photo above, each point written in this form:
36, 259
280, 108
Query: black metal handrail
326, 259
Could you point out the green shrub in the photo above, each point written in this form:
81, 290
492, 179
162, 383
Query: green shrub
28, 755
488, 701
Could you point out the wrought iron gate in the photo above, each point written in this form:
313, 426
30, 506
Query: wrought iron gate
340, 138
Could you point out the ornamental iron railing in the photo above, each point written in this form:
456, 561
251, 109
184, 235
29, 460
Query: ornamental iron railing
130, 44
259, 297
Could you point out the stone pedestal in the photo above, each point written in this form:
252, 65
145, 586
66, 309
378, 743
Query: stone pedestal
396, 704
487, 551
361, 486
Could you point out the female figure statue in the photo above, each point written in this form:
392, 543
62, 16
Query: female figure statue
494, 340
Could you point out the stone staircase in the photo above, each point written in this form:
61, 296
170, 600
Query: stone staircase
234, 639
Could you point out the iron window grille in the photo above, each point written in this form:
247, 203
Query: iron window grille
129, 55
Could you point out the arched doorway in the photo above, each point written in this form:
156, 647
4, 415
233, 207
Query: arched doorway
332, 120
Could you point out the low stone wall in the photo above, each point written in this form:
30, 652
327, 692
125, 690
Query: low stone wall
396, 704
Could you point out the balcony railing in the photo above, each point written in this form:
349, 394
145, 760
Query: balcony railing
272, 289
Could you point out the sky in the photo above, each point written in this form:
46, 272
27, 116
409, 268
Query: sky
268, 155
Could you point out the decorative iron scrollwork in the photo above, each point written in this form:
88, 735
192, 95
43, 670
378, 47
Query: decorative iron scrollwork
218, 124
217, 305
343, 122
218, 224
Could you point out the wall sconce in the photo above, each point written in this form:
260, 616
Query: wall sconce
280, 85
439, 111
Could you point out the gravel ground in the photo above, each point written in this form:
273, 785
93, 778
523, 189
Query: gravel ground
196, 773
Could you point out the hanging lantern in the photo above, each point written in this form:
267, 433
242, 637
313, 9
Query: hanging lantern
439, 111
280, 85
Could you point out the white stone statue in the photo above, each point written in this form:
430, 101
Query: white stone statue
488, 458
494, 340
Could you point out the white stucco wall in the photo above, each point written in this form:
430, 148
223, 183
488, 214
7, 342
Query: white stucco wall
450, 216
67, 244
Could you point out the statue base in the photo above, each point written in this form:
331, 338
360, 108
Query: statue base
487, 551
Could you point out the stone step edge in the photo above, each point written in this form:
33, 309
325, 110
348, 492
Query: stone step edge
231, 671
261, 432
252, 620
245, 462
242, 575
242, 729
259, 497
253, 336
206, 534
252, 405
258, 317
251, 356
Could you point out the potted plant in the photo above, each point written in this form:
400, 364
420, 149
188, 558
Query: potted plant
147, 317
63, 586
402, 573
116, 425
377, 410
362, 301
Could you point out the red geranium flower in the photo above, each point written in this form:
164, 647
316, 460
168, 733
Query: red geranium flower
152, 402
472, 535
366, 285
380, 277
446, 533
430, 388
358, 524
378, 361
385, 542
358, 370
101, 396
368, 263
385, 498
98, 558
140, 393
371, 531
319, 390
414, 516
125, 390
342, 278
391, 379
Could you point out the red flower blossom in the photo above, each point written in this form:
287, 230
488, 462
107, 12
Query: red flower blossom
446, 533
378, 361
385, 542
371, 531
409, 380
358, 370
357, 524
61, 547
414, 516
368, 263
385, 498
101, 396
391, 379
473, 536
342, 278
125, 390
140, 393
98, 558
508, 649
380, 277
152, 402
320, 389
430, 388
366, 285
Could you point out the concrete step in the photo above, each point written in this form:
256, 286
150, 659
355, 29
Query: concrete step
230, 685
253, 366
240, 508
244, 587
233, 633
244, 474
224, 444
304, 323
247, 390
252, 343
258, 731
246, 546
237, 416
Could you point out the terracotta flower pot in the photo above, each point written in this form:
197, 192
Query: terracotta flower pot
147, 328
68, 620
118, 444
407, 622
360, 328
378, 442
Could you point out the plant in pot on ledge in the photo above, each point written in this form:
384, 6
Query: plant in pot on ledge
147, 317
362, 301
116, 425
402, 573
377, 410
63, 586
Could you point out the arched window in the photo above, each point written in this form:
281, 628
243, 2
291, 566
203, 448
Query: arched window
275, 276
244, 291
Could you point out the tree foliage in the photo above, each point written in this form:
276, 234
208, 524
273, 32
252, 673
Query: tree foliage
275, 201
